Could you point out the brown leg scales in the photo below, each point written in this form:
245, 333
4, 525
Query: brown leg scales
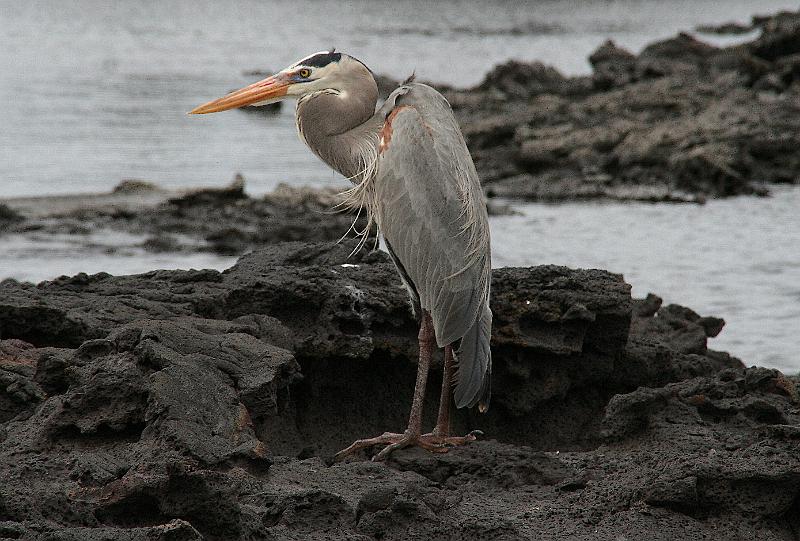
438, 441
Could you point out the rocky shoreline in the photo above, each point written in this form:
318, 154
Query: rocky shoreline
223, 221
198, 404
205, 405
681, 121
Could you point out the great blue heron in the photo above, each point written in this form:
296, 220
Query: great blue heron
413, 175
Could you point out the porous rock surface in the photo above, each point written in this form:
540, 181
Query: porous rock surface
186, 405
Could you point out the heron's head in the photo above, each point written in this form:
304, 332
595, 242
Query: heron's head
326, 71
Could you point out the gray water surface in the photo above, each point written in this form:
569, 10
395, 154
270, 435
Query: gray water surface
737, 258
96, 91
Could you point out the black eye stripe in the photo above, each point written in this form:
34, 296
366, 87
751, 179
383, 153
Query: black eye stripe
322, 59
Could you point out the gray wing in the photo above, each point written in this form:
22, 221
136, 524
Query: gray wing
432, 214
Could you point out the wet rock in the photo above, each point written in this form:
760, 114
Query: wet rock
136, 186
490, 132
729, 28
673, 123
266, 109
613, 66
231, 223
715, 164
211, 196
522, 80
498, 208
9, 217
225, 221
162, 243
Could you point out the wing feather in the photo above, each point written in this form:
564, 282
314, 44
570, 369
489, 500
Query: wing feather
432, 213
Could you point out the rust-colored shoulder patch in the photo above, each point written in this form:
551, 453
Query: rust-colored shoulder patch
386, 131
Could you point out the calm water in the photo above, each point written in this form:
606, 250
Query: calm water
737, 258
94, 92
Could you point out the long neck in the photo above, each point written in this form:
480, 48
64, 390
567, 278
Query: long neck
342, 129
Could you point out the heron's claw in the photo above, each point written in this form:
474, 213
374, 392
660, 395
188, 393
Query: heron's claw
431, 442
385, 438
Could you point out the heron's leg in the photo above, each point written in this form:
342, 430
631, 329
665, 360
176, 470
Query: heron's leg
442, 428
441, 433
427, 342
437, 442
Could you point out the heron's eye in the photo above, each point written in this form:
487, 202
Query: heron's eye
305, 73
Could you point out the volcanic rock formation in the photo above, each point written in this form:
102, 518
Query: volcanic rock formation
681, 121
205, 405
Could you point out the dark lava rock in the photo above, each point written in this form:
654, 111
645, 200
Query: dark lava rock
780, 36
225, 220
613, 66
266, 109
521, 80
172, 405
161, 243
681, 121
211, 196
133, 186
9, 217
729, 28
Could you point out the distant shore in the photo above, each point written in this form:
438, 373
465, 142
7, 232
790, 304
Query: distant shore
224, 221
682, 121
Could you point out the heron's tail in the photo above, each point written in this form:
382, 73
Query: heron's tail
474, 364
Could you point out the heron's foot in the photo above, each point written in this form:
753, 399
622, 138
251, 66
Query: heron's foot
431, 442
447, 441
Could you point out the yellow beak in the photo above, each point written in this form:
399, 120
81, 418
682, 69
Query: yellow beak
266, 91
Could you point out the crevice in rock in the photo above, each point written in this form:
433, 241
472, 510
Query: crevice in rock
792, 517
327, 410
103, 435
134, 511
42, 327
